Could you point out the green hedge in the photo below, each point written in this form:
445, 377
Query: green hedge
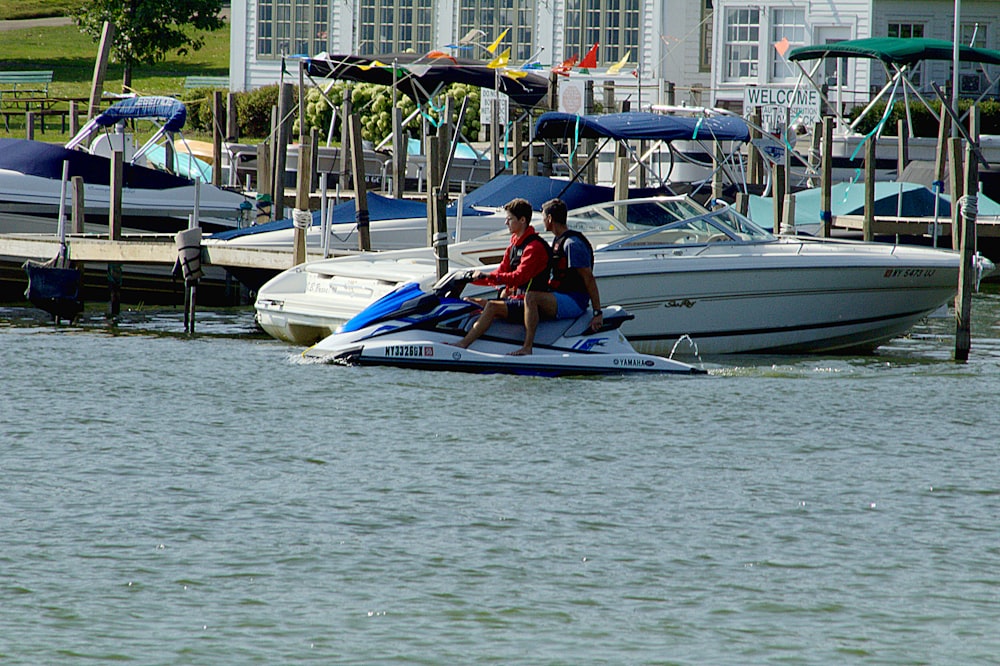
372, 102
924, 123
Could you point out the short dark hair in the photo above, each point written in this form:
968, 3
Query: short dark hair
557, 209
519, 208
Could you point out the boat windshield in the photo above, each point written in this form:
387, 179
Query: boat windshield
720, 226
634, 215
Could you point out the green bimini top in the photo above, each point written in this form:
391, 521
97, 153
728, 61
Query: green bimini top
896, 50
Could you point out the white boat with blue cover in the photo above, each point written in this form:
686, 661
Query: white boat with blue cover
413, 327
152, 200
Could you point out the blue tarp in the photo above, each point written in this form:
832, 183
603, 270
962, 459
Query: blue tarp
173, 112
849, 199
539, 189
379, 208
641, 125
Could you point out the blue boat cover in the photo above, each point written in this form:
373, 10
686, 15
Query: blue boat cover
539, 189
172, 111
641, 125
379, 208
37, 158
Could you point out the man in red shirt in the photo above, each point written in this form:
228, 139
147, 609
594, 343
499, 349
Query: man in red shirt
525, 267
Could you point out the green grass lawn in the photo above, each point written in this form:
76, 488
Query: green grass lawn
21, 9
71, 55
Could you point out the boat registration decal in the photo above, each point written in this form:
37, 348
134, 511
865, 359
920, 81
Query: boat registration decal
409, 351
909, 272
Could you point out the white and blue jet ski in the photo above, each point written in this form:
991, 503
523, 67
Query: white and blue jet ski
414, 328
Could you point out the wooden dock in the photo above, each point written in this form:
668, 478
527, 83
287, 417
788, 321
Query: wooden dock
145, 249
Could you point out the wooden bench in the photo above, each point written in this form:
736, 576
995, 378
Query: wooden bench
192, 82
30, 82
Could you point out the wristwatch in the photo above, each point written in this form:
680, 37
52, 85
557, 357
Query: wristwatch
597, 312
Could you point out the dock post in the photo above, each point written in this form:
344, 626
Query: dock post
902, 148
78, 211
301, 217
439, 196
115, 231
778, 196
74, 118
263, 169
281, 150
398, 154
360, 188
826, 180
867, 232
217, 120
956, 172
494, 138
433, 147
967, 270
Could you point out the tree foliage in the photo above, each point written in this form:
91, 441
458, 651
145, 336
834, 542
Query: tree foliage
147, 30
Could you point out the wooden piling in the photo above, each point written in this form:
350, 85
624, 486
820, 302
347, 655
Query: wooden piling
29, 125
78, 209
281, 150
74, 118
439, 196
398, 154
433, 147
956, 172
867, 234
360, 189
902, 148
302, 191
263, 168
232, 122
217, 115
966, 270
778, 180
494, 138
115, 230
100, 69
826, 179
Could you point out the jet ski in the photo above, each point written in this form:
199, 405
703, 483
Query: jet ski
413, 327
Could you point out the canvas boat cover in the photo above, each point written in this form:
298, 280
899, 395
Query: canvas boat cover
419, 77
168, 109
896, 50
641, 125
493, 194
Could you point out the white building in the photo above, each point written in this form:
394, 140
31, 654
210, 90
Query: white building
666, 40
748, 30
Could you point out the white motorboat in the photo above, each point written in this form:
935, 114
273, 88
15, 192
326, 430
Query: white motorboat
156, 201
416, 328
398, 224
683, 271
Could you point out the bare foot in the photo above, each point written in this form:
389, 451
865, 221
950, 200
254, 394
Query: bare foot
520, 352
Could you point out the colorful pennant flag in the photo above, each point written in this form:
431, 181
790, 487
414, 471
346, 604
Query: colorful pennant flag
566, 66
434, 55
492, 48
615, 68
500, 61
590, 60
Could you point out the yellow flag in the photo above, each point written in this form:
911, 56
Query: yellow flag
500, 61
515, 74
614, 69
375, 63
492, 48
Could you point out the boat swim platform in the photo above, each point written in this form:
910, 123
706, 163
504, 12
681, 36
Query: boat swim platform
146, 249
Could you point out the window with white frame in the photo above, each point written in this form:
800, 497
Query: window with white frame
742, 46
905, 30
614, 24
393, 26
286, 27
786, 24
495, 16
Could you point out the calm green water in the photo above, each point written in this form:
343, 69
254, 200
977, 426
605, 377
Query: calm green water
214, 500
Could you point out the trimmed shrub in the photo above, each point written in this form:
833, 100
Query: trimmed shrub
924, 123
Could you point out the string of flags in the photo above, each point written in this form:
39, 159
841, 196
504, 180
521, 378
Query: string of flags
501, 61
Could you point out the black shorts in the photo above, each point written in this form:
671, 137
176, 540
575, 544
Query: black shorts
515, 310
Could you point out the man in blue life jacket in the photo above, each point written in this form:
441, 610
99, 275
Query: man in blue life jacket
572, 285
523, 270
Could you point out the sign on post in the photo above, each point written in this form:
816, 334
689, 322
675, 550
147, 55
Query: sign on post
802, 102
486, 97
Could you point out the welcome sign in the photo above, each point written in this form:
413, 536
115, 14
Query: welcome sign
802, 102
